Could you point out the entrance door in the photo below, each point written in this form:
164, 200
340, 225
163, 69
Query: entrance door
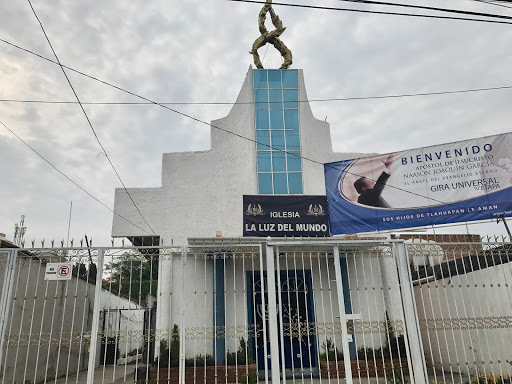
296, 312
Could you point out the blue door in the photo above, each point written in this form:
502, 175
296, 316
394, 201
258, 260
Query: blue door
297, 316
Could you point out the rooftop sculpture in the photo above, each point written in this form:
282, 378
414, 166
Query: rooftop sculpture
271, 37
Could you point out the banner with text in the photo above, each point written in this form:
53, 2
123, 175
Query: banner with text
280, 216
463, 181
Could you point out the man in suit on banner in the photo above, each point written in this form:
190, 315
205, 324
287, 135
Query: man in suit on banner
370, 191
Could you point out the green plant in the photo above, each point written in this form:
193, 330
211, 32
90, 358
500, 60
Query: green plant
169, 357
249, 378
200, 360
240, 357
330, 353
369, 353
394, 375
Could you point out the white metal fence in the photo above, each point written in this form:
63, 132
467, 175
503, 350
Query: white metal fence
312, 311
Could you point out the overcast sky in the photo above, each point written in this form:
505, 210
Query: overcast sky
197, 51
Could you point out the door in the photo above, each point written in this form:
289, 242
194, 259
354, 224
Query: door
296, 312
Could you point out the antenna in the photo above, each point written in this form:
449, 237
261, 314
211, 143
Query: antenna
19, 231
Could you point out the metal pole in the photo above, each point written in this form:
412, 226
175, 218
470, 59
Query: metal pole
272, 316
181, 377
502, 217
417, 358
343, 316
69, 222
95, 319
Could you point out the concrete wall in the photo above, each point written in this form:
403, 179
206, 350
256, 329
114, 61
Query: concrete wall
465, 322
49, 323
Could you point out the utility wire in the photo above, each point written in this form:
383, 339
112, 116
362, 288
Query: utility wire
378, 12
87, 117
269, 102
70, 179
448, 10
231, 132
491, 3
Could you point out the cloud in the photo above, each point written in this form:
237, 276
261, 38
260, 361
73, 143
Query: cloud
195, 51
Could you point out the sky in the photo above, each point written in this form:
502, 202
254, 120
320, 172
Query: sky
197, 51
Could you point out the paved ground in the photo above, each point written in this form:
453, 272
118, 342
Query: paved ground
103, 375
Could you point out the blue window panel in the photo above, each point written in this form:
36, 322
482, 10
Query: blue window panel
274, 79
264, 163
291, 119
265, 183
262, 119
290, 79
260, 79
278, 161
261, 98
293, 159
276, 119
263, 140
291, 97
276, 99
295, 182
277, 139
292, 140
280, 184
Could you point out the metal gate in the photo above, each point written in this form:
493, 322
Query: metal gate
464, 302
241, 313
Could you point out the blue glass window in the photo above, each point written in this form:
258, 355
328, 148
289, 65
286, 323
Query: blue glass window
291, 119
261, 98
276, 99
278, 161
293, 159
292, 140
291, 97
290, 79
295, 182
265, 183
280, 184
274, 79
262, 119
260, 79
279, 164
264, 164
276, 119
277, 139
263, 140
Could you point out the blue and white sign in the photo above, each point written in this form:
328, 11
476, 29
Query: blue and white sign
463, 181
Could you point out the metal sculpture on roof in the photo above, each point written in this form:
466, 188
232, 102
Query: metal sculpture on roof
271, 37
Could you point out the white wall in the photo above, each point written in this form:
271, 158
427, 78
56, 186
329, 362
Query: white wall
469, 323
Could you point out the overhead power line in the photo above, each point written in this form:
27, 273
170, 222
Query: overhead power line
226, 130
379, 12
437, 9
87, 117
70, 179
492, 3
375, 12
353, 98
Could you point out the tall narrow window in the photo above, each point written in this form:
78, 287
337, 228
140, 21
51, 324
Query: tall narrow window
279, 164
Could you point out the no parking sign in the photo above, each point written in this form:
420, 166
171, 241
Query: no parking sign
58, 271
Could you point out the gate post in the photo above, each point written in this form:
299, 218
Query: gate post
272, 315
412, 328
95, 318
343, 316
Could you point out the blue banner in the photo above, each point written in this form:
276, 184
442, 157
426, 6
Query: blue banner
448, 183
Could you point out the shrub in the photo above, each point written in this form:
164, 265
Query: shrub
330, 353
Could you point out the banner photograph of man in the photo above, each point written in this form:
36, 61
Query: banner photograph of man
370, 191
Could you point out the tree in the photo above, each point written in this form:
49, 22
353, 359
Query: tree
132, 275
